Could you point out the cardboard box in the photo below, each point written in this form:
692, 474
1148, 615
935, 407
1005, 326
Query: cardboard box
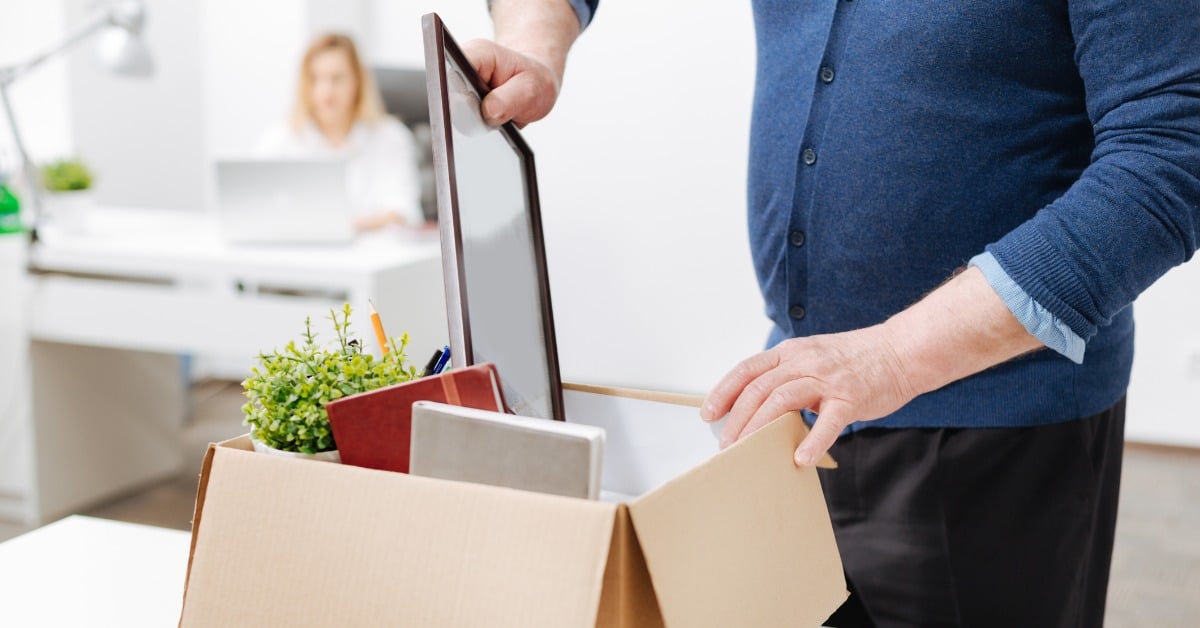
741, 539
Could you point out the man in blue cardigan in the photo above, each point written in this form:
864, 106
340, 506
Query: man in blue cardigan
952, 206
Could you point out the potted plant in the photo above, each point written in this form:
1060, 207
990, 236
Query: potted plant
68, 184
288, 389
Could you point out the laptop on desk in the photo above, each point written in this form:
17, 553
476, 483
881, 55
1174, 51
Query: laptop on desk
284, 202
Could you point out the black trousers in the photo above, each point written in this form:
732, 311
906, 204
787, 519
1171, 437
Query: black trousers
998, 527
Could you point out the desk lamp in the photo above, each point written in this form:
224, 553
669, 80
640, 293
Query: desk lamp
119, 49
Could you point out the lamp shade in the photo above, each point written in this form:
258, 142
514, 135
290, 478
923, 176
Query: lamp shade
120, 47
123, 52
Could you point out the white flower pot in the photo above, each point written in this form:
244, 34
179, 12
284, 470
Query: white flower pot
69, 211
324, 456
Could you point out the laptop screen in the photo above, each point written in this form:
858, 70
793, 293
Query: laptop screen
497, 291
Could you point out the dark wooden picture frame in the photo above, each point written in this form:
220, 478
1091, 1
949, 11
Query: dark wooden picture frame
440, 45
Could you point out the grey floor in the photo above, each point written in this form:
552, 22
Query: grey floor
1156, 559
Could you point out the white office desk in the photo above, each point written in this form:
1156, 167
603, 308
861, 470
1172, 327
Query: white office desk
92, 572
166, 281
111, 309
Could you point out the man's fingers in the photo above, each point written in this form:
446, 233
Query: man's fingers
749, 400
722, 396
522, 89
525, 98
495, 111
483, 55
796, 394
824, 433
495, 66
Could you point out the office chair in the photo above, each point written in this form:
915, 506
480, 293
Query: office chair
404, 96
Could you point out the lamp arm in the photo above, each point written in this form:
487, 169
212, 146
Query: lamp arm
27, 167
13, 72
9, 74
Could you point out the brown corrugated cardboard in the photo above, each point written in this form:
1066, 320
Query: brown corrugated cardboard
742, 528
743, 540
627, 599
288, 542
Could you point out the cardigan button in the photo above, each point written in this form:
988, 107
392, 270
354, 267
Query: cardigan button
826, 75
797, 312
809, 156
796, 238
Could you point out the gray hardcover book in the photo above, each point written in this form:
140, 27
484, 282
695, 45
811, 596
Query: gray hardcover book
468, 445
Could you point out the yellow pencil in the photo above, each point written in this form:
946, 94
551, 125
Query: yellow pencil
378, 325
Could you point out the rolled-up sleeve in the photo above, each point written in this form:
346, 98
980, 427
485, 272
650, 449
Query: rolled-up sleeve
1037, 320
585, 9
1134, 213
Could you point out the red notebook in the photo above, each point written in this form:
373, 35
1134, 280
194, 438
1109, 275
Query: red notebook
374, 429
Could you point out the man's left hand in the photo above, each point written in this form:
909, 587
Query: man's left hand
847, 377
959, 329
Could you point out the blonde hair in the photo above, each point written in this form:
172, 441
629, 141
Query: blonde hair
368, 104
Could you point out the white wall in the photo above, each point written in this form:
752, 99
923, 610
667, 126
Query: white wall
1164, 393
394, 36
143, 136
250, 54
349, 17
40, 99
642, 175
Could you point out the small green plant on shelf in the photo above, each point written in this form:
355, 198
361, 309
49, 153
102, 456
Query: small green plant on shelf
66, 175
288, 389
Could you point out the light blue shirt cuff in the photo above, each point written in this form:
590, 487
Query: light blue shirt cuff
1037, 320
583, 11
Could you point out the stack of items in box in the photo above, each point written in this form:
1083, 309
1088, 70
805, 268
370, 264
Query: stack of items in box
452, 426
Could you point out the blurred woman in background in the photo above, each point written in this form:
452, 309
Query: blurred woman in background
339, 114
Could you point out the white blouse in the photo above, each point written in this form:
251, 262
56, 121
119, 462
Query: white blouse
381, 160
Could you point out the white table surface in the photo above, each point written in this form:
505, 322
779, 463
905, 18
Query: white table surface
82, 571
154, 242
167, 281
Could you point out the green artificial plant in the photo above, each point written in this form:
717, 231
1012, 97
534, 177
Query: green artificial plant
288, 389
66, 175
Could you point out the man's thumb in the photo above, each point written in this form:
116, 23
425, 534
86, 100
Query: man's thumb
494, 108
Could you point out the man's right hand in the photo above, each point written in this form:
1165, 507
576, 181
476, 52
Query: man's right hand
523, 88
524, 66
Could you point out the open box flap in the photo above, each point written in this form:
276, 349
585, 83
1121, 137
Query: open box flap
627, 600
242, 441
334, 545
744, 539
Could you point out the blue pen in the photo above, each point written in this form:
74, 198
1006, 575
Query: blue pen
442, 361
